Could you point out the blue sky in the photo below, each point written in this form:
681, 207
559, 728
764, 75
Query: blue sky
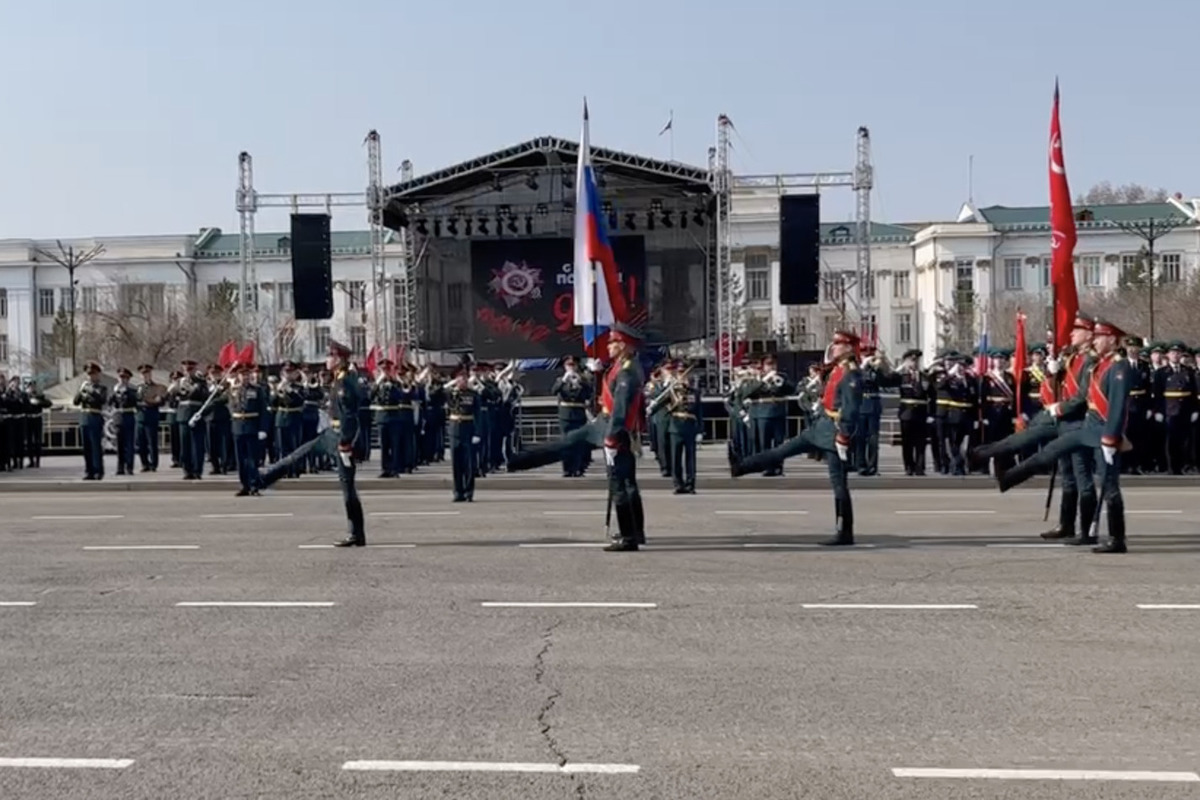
126, 117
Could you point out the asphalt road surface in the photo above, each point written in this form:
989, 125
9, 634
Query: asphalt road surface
199, 646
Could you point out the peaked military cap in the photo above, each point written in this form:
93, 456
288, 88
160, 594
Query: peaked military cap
91, 367
913, 353
145, 368
338, 349
1178, 345
625, 332
1134, 341
1102, 327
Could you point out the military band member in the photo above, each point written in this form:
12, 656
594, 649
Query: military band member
220, 424
124, 402
658, 417
92, 398
833, 433
769, 395
433, 432
999, 393
574, 396
387, 402
18, 422
346, 401
190, 393
249, 415
462, 406
866, 458
1140, 410
915, 412
38, 403
686, 431
1176, 388
171, 417
956, 401
1105, 396
287, 407
150, 397
409, 417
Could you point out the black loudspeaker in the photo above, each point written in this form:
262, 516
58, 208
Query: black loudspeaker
799, 249
312, 267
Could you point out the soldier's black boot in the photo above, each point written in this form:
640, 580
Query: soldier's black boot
1087, 516
1115, 543
625, 540
844, 537
1066, 518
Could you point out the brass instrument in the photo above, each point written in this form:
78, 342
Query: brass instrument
773, 379
673, 393
152, 394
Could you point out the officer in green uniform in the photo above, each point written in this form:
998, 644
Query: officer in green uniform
249, 415
92, 398
287, 405
150, 397
1105, 395
462, 406
124, 402
574, 394
686, 426
833, 433
346, 401
386, 400
769, 395
659, 417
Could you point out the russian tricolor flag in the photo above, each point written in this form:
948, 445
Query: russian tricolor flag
599, 300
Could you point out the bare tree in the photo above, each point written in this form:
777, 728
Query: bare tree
1104, 193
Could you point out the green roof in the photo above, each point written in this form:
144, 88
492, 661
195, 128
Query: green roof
1034, 218
228, 245
843, 233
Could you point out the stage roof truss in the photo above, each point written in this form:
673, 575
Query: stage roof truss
541, 155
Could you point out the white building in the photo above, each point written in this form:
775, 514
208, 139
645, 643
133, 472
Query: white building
161, 274
936, 282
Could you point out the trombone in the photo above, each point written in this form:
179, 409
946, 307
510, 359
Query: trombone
673, 392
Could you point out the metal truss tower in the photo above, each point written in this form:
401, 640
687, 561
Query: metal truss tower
408, 329
249, 201
861, 179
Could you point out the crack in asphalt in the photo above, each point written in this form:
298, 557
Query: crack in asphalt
544, 725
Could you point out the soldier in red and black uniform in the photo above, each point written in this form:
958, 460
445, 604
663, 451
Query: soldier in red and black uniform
617, 429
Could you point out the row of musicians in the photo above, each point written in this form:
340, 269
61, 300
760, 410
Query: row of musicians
22, 423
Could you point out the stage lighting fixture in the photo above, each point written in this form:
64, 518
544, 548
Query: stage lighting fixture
656, 205
666, 220
437, 228
504, 211
532, 183
422, 227
542, 209
512, 224
698, 217
606, 207
650, 221
630, 222
452, 227
528, 226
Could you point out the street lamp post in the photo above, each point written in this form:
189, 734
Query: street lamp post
71, 260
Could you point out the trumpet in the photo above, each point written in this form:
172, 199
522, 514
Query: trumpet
572, 378
773, 380
508, 371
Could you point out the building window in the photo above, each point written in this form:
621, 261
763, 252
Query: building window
358, 340
46, 344
285, 298
1170, 268
830, 326
1045, 271
904, 329
456, 294
142, 299
87, 300
902, 285
758, 278
3, 347
45, 302
833, 287
1014, 271
3, 304
964, 276
321, 339
1131, 267
356, 291
1091, 270
870, 334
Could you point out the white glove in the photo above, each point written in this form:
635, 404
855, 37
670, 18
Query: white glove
475, 440
1109, 453
1195, 415
1053, 365
192, 422
843, 451
929, 420
610, 455
593, 364
1053, 409
975, 425
262, 436
956, 370
1158, 417
1149, 415
1025, 417
987, 422
347, 458
699, 438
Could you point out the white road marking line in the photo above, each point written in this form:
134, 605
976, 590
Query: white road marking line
414, 513
563, 544
893, 606
1149, 511
68, 763
143, 547
569, 605
1050, 775
372, 546
490, 766
79, 517
246, 516
1029, 544
806, 545
945, 511
254, 604
572, 513
1170, 607
764, 512
17, 604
